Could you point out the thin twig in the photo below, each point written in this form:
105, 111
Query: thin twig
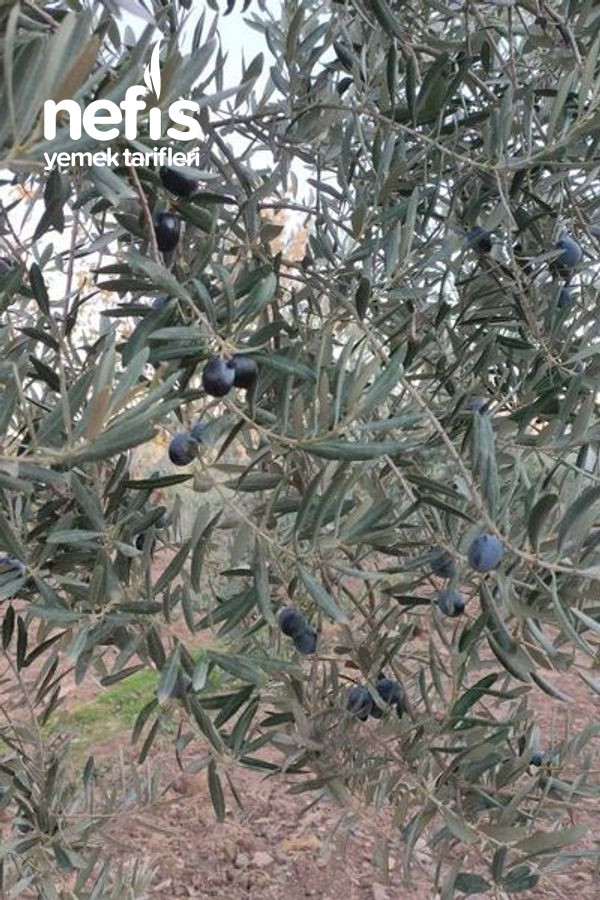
154, 251
42, 14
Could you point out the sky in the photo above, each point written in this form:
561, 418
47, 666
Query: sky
239, 42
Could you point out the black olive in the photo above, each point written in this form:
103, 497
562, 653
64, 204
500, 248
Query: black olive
217, 377
167, 227
176, 182
245, 370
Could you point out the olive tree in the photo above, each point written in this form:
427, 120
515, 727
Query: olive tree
409, 466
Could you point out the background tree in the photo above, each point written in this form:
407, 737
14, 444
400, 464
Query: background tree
426, 375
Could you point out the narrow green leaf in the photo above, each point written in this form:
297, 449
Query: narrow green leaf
38, 286
388, 20
578, 518
521, 878
8, 626
168, 675
200, 551
471, 696
205, 724
382, 387
216, 792
352, 450
550, 841
286, 365
21, 642
260, 295
362, 296
142, 718
322, 598
470, 883
150, 737
538, 516
261, 581
121, 675
173, 569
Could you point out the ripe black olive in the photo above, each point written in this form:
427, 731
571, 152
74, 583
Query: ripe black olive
217, 377
167, 227
245, 369
176, 182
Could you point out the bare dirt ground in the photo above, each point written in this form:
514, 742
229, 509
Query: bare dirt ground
275, 848
279, 846
269, 850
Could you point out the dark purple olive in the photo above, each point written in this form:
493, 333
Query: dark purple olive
140, 537
167, 227
537, 758
479, 239
359, 702
291, 621
450, 602
217, 377
305, 641
570, 252
176, 182
391, 693
182, 449
245, 369
140, 540
6, 265
485, 553
389, 690
160, 302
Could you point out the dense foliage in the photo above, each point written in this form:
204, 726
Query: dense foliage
425, 379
